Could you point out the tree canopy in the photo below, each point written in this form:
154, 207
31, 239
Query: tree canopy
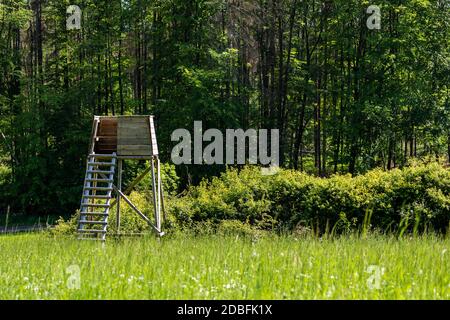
344, 97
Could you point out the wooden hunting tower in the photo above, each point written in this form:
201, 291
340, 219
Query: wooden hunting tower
114, 139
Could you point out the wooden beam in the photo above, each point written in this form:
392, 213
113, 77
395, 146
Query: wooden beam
133, 184
162, 204
143, 216
154, 189
93, 135
119, 185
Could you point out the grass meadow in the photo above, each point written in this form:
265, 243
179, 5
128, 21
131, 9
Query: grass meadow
38, 266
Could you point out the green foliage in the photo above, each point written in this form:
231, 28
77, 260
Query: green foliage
170, 179
130, 221
345, 98
65, 227
5, 174
379, 199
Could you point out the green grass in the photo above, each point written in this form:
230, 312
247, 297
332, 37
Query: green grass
214, 267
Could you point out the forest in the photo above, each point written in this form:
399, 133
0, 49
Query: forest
345, 98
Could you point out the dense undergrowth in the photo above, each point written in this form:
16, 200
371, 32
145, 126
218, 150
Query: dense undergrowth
414, 199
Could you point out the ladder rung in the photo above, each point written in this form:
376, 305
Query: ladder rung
102, 156
91, 231
102, 164
93, 222
95, 205
98, 180
84, 213
100, 171
98, 188
95, 196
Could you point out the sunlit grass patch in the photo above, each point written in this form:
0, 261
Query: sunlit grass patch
225, 267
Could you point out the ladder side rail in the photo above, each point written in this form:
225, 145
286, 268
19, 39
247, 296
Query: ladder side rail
109, 193
84, 199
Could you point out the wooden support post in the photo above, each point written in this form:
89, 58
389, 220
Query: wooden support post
158, 166
143, 216
128, 201
133, 184
154, 191
119, 187
163, 206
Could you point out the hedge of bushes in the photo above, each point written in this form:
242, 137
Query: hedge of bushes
415, 197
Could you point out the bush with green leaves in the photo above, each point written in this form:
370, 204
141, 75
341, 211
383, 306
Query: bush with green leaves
416, 197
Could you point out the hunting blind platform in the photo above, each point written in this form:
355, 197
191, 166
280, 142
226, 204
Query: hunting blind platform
114, 139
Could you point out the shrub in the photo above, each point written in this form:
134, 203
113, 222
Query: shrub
290, 198
414, 198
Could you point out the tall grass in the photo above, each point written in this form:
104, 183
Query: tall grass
226, 267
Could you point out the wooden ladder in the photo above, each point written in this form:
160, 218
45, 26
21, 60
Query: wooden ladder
96, 199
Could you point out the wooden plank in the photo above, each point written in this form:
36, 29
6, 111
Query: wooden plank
93, 134
108, 126
119, 186
109, 131
133, 120
133, 132
108, 123
151, 126
108, 120
134, 150
106, 140
134, 141
141, 151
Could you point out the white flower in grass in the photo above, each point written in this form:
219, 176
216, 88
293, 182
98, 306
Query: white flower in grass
231, 285
330, 292
204, 291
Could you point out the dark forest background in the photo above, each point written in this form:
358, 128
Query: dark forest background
345, 98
